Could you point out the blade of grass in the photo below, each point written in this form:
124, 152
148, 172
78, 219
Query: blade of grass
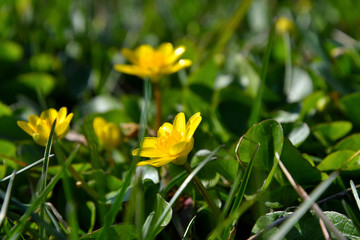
38, 199
70, 202
218, 231
180, 190
44, 177
215, 210
188, 228
25, 168
5, 204
240, 194
235, 185
256, 108
350, 213
309, 201
244, 182
23, 208
355, 193
115, 207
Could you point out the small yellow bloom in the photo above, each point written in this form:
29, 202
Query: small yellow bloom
108, 133
153, 63
283, 25
172, 144
39, 127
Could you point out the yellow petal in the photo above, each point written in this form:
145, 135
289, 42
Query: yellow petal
179, 122
177, 148
166, 49
131, 70
130, 55
183, 63
39, 139
51, 113
181, 158
176, 54
62, 129
61, 114
192, 125
156, 162
69, 117
43, 130
165, 129
148, 142
144, 50
33, 119
26, 127
148, 152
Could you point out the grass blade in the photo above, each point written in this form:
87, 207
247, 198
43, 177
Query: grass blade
26, 168
7, 198
256, 108
44, 176
38, 199
179, 191
304, 207
70, 205
115, 207
355, 193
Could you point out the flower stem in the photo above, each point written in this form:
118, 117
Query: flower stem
203, 191
157, 96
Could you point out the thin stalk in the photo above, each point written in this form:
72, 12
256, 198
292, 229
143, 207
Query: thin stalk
256, 108
36, 201
116, 206
157, 96
215, 210
309, 201
44, 177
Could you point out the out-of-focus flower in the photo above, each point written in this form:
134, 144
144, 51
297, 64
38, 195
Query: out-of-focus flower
39, 127
172, 144
283, 25
109, 134
153, 63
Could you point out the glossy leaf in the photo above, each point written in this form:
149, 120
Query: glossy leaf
331, 131
337, 160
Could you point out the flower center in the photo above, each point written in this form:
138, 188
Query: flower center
164, 143
155, 60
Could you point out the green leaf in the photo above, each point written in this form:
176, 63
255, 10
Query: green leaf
269, 134
297, 132
349, 105
10, 51
205, 75
118, 231
307, 228
100, 104
209, 175
160, 207
351, 142
44, 62
8, 149
300, 169
37, 80
332, 131
4, 110
311, 103
337, 159
300, 85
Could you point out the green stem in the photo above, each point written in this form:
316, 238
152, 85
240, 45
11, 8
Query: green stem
203, 191
157, 96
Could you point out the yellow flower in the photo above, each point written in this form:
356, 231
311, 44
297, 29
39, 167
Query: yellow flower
108, 133
172, 144
153, 63
283, 25
39, 127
